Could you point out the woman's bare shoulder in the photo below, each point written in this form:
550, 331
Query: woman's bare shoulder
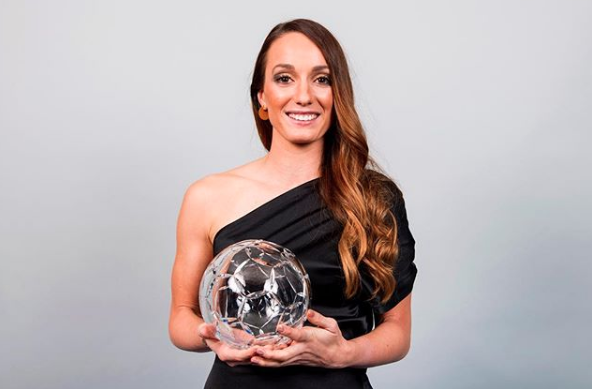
212, 200
221, 185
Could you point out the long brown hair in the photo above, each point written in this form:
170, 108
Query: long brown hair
352, 185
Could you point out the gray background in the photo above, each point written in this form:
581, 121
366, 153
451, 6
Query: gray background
110, 109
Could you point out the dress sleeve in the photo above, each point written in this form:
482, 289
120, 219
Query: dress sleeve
405, 270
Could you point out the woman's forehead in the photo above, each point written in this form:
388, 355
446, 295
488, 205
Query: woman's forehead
295, 50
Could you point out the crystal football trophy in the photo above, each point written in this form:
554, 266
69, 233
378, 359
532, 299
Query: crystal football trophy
249, 289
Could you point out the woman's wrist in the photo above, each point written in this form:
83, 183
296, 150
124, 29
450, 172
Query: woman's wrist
348, 353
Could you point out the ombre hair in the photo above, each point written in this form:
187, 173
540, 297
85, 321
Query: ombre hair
352, 185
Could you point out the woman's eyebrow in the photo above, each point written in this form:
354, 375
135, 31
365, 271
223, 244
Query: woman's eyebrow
287, 66
283, 66
319, 68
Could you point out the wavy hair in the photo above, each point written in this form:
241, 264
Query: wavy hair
352, 185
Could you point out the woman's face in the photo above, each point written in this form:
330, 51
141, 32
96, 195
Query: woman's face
297, 90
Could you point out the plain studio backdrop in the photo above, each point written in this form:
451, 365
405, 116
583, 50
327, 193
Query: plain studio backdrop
109, 110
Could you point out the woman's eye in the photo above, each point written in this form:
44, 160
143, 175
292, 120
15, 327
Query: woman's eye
282, 79
324, 80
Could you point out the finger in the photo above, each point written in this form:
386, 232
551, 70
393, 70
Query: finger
207, 331
322, 321
297, 334
260, 361
265, 362
233, 364
279, 355
232, 355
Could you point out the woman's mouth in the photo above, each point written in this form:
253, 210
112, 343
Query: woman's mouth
303, 117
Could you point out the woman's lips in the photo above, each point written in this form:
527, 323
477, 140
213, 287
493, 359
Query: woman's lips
302, 119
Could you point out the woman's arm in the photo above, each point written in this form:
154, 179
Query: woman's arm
324, 345
389, 342
194, 252
187, 329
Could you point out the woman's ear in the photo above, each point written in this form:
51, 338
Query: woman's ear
261, 98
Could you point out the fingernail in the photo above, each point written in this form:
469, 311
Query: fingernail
260, 352
310, 313
280, 328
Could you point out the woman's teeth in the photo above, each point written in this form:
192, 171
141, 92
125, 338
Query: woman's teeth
303, 118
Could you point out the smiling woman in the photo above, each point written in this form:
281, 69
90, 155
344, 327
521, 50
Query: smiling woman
317, 192
297, 91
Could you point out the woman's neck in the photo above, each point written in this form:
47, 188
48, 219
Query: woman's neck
293, 164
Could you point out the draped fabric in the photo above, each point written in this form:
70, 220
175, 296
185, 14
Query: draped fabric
297, 219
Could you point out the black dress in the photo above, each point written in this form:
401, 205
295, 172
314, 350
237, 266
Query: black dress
298, 220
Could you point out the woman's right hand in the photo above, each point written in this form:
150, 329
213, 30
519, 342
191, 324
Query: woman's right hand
232, 356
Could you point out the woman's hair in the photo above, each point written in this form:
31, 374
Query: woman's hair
352, 185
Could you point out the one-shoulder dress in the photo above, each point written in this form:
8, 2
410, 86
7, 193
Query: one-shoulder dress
297, 219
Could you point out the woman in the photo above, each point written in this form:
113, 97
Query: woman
318, 193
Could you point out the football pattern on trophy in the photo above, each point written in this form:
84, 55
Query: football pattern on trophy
250, 288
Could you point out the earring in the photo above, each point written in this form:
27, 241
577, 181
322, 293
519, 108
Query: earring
263, 114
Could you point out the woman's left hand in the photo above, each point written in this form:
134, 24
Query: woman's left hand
322, 346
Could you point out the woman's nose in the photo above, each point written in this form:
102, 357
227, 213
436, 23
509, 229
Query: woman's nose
303, 96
